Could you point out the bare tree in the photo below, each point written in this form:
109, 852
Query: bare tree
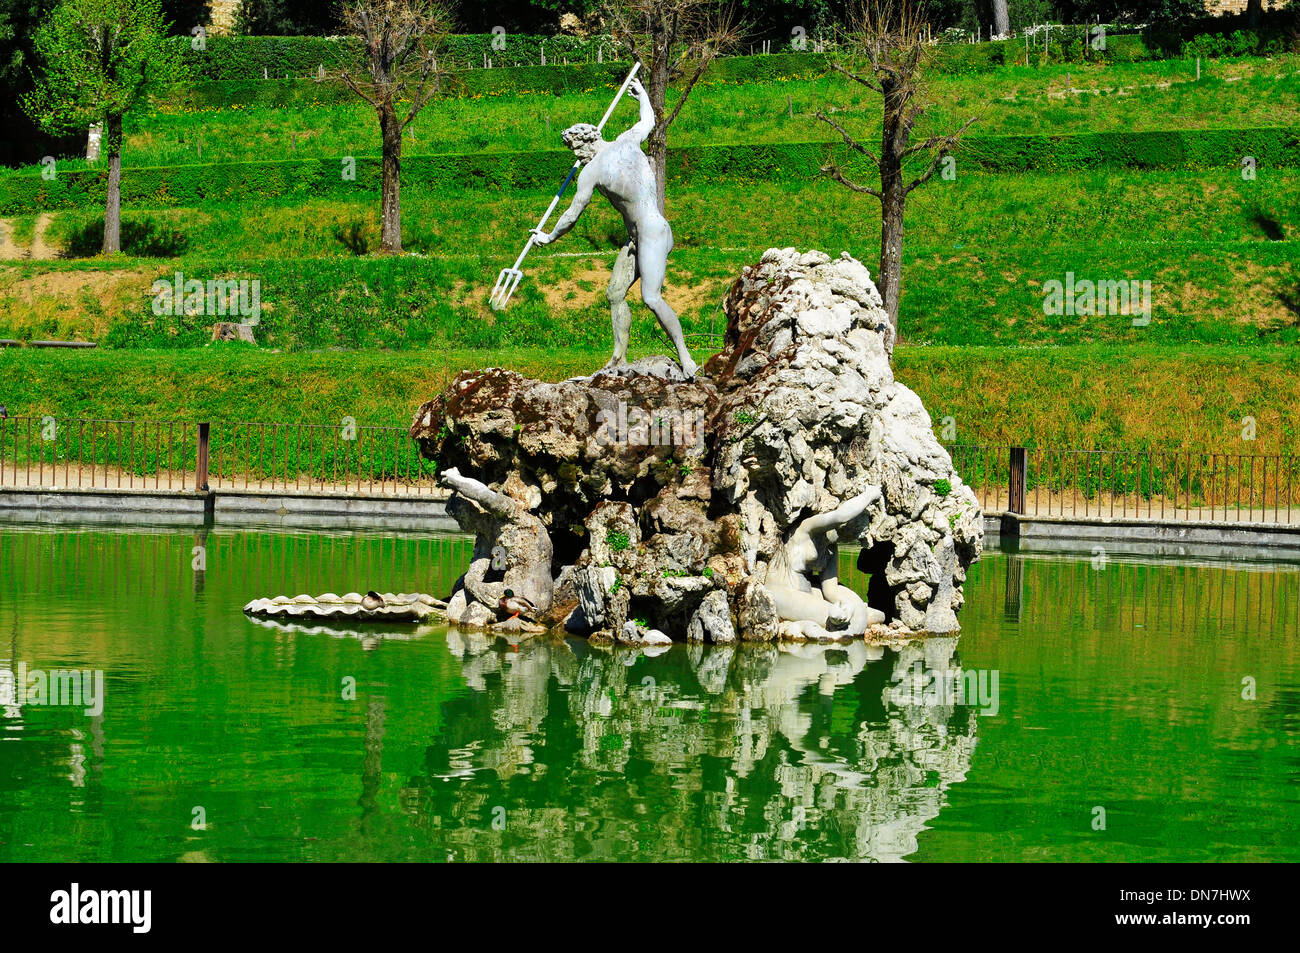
674, 41
401, 40
884, 51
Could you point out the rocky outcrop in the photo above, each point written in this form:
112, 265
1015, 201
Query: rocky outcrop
675, 502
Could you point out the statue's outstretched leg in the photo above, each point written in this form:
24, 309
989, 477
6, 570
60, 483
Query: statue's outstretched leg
652, 262
619, 283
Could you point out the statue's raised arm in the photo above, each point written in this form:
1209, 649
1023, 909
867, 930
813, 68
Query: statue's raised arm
646, 124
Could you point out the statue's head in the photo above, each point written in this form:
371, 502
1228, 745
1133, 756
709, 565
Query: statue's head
583, 139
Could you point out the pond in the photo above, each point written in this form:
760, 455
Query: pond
1092, 709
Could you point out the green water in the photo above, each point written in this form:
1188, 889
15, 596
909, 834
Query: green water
1119, 687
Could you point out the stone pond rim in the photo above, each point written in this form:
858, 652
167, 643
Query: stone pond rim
703, 508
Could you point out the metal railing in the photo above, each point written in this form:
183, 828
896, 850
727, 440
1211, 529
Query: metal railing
70, 454
1132, 484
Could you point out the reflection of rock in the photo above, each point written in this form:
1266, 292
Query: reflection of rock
732, 751
659, 496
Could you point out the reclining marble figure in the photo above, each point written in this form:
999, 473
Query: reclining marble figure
804, 576
620, 171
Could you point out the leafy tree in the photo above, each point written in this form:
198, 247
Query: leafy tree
288, 17
99, 60
23, 140
1161, 12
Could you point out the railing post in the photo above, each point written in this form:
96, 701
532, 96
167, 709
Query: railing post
201, 473
1018, 471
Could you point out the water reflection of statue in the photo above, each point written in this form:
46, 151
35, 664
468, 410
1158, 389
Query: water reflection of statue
804, 576
795, 752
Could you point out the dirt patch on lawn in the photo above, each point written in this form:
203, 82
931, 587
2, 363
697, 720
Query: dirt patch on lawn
588, 283
9, 249
70, 284
39, 250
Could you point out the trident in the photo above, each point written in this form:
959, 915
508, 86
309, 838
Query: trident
509, 278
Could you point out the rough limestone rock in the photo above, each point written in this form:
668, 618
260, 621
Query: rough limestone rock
670, 500
756, 612
633, 634
712, 621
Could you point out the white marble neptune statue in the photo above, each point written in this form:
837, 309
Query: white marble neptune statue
621, 172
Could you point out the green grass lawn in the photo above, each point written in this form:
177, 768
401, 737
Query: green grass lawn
347, 332
1108, 207
1071, 397
1013, 100
1220, 254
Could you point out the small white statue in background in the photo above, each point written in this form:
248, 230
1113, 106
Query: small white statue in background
620, 171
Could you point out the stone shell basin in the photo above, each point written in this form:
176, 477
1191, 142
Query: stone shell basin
399, 607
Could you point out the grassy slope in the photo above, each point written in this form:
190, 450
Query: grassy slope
979, 249
1219, 251
1014, 100
1083, 396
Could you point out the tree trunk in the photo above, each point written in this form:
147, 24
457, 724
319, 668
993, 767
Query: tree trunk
113, 200
1254, 10
1001, 22
657, 88
891, 253
390, 128
659, 161
893, 197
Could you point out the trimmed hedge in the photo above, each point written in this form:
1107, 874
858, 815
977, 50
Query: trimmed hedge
522, 80
1155, 149
194, 185
246, 57
228, 58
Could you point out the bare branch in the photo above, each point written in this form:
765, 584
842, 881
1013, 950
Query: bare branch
833, 172
944, 145
353, 85
858, 77
848, 139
